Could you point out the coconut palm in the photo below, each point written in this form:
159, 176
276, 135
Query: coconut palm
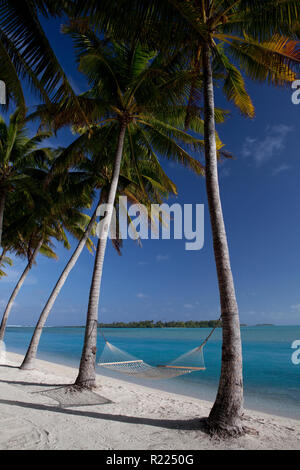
18, 153
26, 54
52, 210
141, 184
217, 36
34, 247
271, 59
129, 86
96, 174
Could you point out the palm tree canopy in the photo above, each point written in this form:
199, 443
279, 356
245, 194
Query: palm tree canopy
19, 152
26, 53
48, 209
129, 83
259, 38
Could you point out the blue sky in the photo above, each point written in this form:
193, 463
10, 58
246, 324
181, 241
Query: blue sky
162, 281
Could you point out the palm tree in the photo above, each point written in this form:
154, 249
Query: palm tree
50, 212
129, 86
18, 153
26, 54
272, 59
30, 261
215, 34
95, 174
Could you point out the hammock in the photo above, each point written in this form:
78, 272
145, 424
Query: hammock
115, 359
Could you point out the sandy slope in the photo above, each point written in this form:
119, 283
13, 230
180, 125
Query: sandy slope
138, 418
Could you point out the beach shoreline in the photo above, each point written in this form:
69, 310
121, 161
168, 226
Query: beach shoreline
136, 418
271, 381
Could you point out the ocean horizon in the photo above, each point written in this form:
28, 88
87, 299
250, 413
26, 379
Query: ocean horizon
271, 380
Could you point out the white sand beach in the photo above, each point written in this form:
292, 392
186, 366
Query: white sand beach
138, 417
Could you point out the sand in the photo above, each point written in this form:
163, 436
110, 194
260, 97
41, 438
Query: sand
137, 418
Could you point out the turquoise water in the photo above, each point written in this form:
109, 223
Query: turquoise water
272, 381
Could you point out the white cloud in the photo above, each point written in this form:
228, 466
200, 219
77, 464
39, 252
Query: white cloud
271, 145
296, 308
3, 304
162, 257
224, 172
140, 295
13, 276
189, 306
280, 169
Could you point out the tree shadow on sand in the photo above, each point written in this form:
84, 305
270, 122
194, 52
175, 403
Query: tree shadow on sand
198, 424
42, 384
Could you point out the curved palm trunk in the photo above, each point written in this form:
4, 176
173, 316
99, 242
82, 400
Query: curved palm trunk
86, 375
2, 205
29, 360
17, 289
225, 416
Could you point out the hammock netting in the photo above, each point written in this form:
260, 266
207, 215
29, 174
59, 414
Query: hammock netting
117, 360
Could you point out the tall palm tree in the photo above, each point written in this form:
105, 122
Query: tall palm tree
272, 59
96, 174
129, 86
216, 35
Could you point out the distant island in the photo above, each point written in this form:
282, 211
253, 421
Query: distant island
161, 324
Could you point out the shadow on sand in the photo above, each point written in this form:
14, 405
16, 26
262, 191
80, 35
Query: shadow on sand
198, 424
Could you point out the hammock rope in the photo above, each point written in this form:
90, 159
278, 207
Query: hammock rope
117, 360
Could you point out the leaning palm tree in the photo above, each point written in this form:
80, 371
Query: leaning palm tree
216, 35
18, 152
50, 213
33, 247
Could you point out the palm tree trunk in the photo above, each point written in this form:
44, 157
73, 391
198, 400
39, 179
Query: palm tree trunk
2, 205
17, 289
225, 416
29, 360
86, 376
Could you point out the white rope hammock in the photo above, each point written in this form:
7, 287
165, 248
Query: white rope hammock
117, 360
